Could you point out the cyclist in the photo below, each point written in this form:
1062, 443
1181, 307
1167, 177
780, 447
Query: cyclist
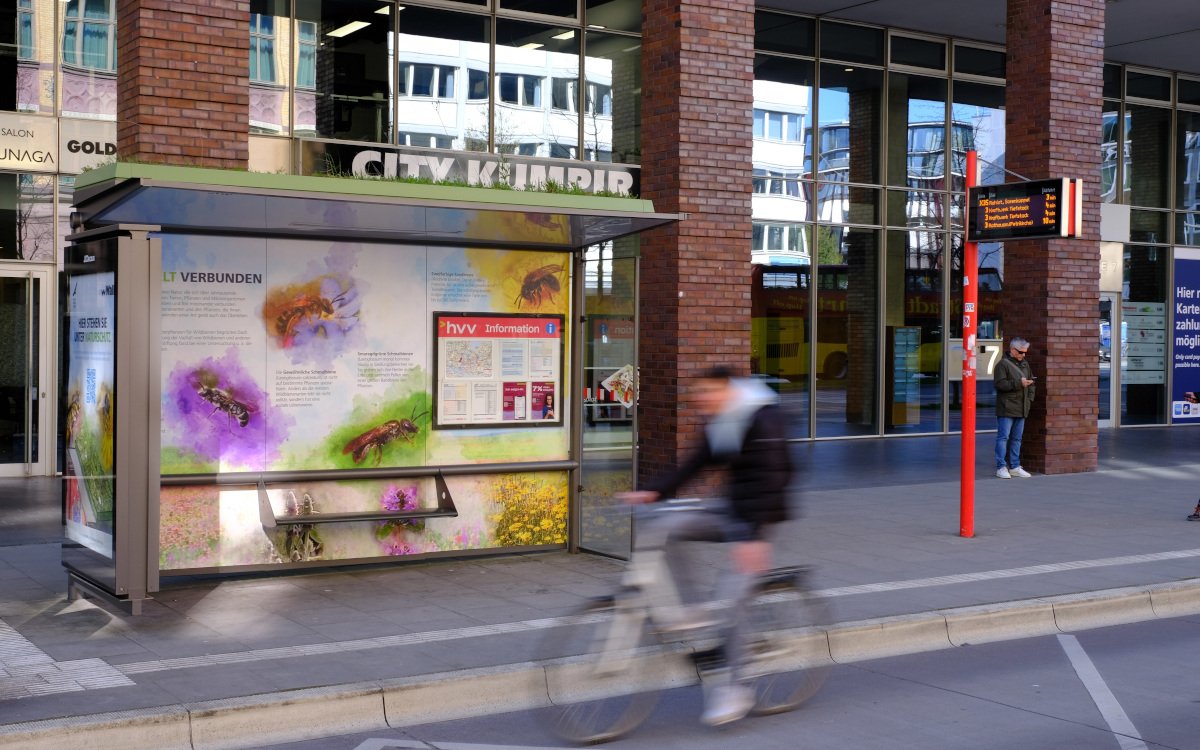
745, 433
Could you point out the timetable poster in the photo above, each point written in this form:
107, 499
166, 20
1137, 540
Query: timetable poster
497, 369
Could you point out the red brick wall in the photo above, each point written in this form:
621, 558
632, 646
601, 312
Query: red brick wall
1051, 287
183, 82
697, 78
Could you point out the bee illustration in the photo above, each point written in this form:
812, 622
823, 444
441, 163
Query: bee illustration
74, 418
305, 307
222, 400
539, 285
377, 437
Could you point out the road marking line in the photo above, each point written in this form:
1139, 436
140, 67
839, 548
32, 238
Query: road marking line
992, 575
382, 744
1118, 721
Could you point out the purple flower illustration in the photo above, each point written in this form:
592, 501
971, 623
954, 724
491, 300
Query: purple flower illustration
215, 410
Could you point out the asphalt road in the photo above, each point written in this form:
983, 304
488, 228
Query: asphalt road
1133, 687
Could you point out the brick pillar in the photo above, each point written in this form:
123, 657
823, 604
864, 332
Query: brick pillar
183, 69
1051, 287
697, 74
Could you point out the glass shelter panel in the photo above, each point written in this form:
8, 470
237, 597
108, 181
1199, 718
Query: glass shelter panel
609, 395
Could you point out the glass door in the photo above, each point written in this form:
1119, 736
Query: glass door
609, 336
25, 408
1110, 310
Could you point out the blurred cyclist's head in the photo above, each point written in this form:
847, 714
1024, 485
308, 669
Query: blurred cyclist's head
714, 389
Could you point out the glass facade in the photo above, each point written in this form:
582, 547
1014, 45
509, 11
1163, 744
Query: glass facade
859, 141
858, 180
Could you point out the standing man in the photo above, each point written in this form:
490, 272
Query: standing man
1013, 378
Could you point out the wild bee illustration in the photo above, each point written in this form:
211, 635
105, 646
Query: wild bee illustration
540, 285
74, 418
305, 307
375, 438
222, 400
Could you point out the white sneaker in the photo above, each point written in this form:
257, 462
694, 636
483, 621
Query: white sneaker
1019, 472
727, 703
1002, 472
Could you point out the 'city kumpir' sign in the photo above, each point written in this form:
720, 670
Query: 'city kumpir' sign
472, 167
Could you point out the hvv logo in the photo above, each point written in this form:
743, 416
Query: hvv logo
460, 327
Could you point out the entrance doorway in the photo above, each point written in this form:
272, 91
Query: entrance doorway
1109, 360
26, 403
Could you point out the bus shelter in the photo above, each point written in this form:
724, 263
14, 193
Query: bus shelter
271, 372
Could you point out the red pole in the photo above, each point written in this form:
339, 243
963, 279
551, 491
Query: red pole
970, 266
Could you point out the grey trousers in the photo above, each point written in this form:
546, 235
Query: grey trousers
729, 593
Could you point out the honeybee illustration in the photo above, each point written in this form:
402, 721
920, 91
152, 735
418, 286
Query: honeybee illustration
206, 385
305, 307
375, 438
540, 285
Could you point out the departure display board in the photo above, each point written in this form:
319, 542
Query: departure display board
1023, 210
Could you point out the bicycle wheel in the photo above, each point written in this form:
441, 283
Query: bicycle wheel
787, 651
605, 675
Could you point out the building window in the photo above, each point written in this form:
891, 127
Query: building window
306, 63
524, 90
426, 140
778, 126
262, 48
25, 49
599, 100
477, 84
90, 34
427, 80
562, 94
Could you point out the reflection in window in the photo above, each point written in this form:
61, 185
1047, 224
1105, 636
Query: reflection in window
612, 119
427, 80
1149, 162
25, 49
477, 84
529, 58
1187, 163
351, 70
851, 127
28, 227
90, 34
977, 116
306, 66
262, 48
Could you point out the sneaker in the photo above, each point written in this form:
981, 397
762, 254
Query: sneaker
727, 703
1196, 514
1002, 473
1019, 472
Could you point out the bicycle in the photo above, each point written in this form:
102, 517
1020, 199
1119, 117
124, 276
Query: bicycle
609, 662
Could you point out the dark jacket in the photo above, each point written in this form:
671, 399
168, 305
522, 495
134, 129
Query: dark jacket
757, 477
1012, 398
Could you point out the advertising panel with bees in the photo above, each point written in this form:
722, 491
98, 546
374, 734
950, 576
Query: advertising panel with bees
333, 394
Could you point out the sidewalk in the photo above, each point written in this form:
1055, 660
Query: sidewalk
347, 650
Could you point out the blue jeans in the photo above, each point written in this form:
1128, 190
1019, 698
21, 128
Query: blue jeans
1008, 441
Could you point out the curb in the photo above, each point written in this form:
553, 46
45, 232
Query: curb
298, 715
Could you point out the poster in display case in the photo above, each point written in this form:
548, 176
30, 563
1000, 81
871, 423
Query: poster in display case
497, 370
90, 420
